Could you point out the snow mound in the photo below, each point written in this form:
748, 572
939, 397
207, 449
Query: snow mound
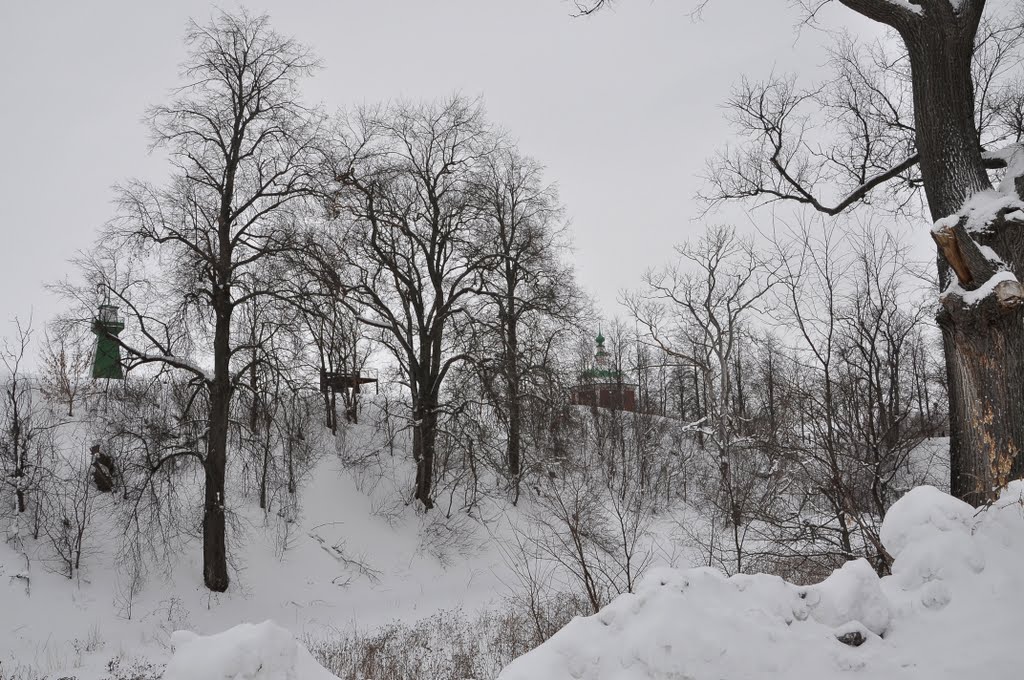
956, 592
930, 534
852, 594
698, 624
261, 651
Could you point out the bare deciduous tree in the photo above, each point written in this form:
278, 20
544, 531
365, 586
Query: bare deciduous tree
529, 301
412, 266
696, 311
20, 420
66, 362
244, 151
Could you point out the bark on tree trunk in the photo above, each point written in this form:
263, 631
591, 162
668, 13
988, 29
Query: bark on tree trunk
215, 570
215, 567
424, 444
983, 345
946, 133
332, 411
264, 470
19, 458
987, 418
514, 411
514, 432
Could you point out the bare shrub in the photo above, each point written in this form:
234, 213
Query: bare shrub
67, 512
593, 527
448, 644
67, 358
123, 668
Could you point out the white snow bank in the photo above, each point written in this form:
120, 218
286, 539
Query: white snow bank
930, 534
852, 593
262, 651
691, 624
924, 511
951, 609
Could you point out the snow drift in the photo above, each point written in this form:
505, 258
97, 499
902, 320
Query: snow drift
950, 609
263, 651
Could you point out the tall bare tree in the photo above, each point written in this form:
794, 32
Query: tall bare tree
848, 304
698, 310
243, 149
529, 299
695, 310
19, 416
406, 176
67, 358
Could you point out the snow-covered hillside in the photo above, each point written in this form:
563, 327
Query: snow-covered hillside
355, 557
949, 610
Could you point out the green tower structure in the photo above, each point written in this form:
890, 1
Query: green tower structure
107, 325
601, 372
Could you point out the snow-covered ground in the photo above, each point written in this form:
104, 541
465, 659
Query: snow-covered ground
354, 557
951, 609
263, 651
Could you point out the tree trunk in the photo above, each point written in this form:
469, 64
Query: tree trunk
773, 420
423, 447
946, 134
983, 346
514, 410
292, 484
215, 570
19, 453
697, 413
987, 417
332, 411
215, 567
352, 403
264, 470
515, 469
254, 407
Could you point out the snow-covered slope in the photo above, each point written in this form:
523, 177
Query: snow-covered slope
951, 609
355, 556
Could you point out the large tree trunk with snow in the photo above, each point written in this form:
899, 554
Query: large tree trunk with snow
986, 373
983, 342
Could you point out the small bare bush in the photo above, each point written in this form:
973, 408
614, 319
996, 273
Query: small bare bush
449, 644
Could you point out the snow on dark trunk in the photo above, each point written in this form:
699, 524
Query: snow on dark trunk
983, 343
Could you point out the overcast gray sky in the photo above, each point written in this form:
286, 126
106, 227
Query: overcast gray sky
623, 107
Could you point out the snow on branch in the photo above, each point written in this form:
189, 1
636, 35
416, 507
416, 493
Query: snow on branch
1012, 158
